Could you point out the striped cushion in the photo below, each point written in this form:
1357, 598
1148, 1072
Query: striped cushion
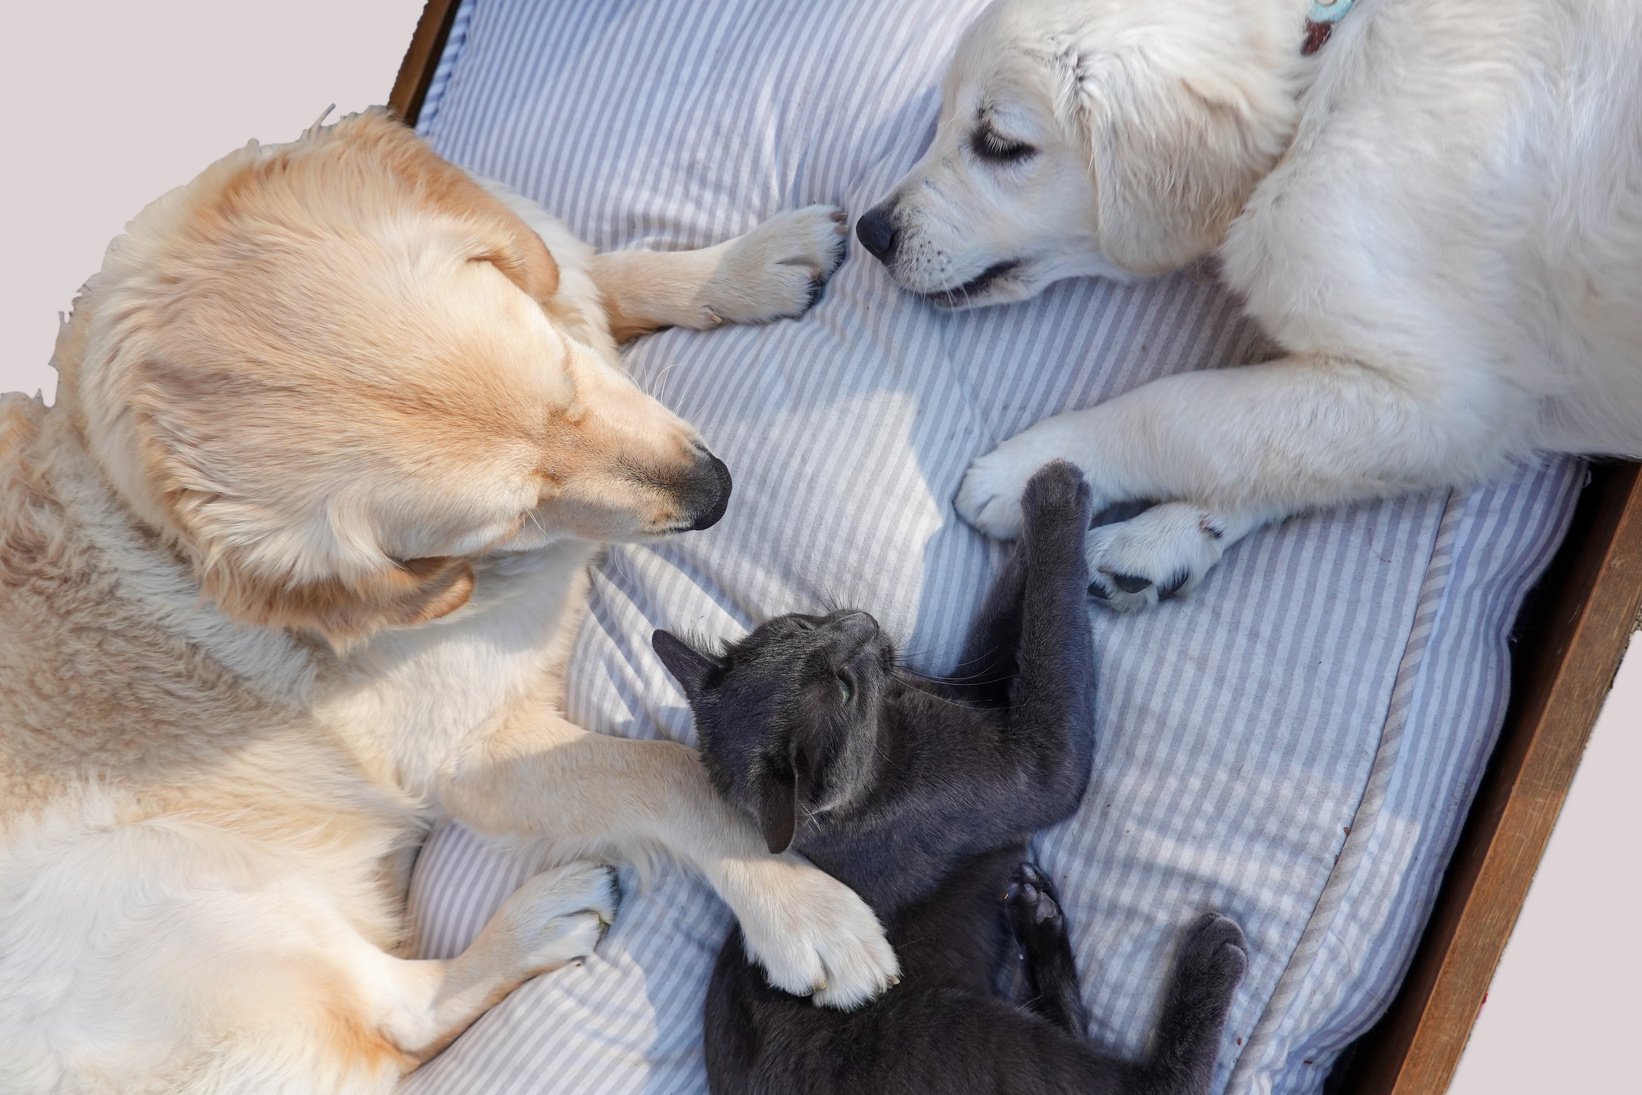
1295, 745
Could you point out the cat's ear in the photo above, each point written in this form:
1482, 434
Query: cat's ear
777, 811
688, 665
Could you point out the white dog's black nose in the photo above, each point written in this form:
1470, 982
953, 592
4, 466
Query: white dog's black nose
876, 231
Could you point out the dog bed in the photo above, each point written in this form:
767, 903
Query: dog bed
1296, 744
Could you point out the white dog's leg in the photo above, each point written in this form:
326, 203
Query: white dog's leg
1251, 445
590, 794
772, 272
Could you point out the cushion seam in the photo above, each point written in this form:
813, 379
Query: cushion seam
1330, 899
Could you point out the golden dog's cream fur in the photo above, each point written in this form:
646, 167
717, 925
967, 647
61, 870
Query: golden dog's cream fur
290, 570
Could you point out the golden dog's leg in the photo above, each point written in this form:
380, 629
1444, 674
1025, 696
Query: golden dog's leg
407, 1011
592, 794
774, 271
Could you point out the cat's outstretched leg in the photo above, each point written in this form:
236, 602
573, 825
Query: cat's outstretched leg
1031, 653
1034, 915
1051, 727
1207, 971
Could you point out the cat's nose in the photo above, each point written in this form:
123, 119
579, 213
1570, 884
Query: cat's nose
858, 626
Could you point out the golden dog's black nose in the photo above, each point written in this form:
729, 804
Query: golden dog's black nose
876, 231
706, 491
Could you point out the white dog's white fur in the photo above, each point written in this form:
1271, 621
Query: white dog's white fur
290, 571
1437, 216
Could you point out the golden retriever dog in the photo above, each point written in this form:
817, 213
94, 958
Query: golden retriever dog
291, 569
1434, 209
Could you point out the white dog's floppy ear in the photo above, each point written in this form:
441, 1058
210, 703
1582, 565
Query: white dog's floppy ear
1174, 157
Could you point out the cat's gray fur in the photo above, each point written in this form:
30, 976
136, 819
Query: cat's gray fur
921, 794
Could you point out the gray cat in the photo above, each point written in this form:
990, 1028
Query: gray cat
921, 795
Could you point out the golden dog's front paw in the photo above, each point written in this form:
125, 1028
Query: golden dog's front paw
812, 934
558, 916
778, 269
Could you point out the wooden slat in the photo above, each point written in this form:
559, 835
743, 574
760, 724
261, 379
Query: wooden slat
1567, 656
416, 70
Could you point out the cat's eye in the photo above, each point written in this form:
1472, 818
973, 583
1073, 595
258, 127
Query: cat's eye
988, 144
846, 687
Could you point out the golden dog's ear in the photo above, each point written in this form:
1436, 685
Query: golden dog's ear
1175, 157
345, 613
525, 261
500, 236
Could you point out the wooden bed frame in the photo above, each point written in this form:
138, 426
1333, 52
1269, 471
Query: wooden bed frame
1568, 645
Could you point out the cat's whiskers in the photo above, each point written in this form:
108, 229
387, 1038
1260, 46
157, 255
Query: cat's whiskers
968, 679
947, 700
930, 651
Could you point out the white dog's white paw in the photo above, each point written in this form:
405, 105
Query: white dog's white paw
990, 496
815, 937
559, 915
778, 269
1164, 552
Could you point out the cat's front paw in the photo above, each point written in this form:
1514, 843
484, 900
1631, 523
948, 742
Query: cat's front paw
1056, 492
993, 489
1055, 504
813, 935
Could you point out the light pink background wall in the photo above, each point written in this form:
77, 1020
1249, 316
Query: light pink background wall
110, 103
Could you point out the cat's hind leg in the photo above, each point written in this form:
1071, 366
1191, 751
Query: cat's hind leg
1039, 926
1212, 959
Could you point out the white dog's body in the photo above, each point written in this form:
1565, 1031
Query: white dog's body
211, 780
1448, 249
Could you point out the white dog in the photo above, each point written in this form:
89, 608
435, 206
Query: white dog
1435, 209
291, 570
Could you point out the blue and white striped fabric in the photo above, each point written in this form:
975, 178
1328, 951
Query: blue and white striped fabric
1295, 745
